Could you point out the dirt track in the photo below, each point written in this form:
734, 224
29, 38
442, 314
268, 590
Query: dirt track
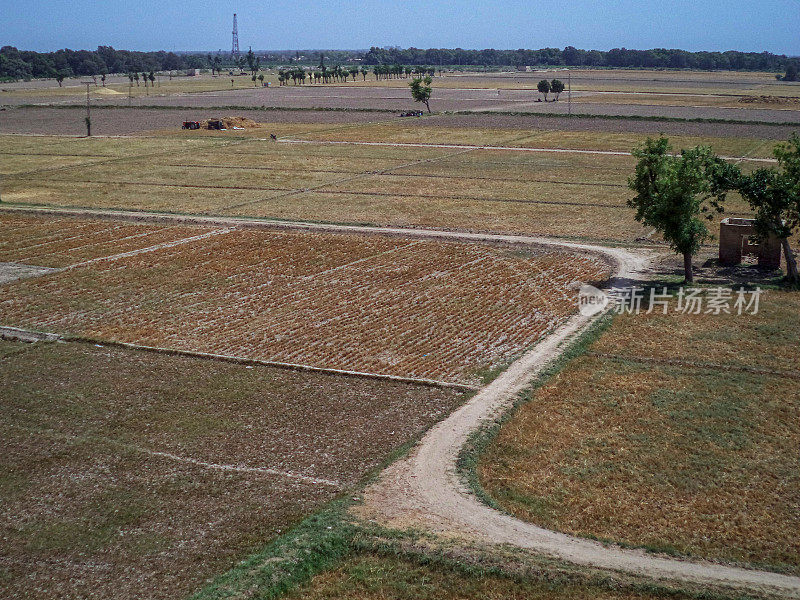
424, 490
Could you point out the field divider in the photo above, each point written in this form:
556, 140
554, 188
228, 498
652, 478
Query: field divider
418, 175
353, 177
29, 335
238, 468
497, 148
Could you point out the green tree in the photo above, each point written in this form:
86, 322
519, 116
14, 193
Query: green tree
674, 193
103, 79
136, 78
60, 78
152, 77
364, 72
354, 72
774, 195
791, 72
421, 90
544, 88
557, 86
261, 79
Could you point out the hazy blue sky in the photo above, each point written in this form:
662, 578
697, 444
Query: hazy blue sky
749, 25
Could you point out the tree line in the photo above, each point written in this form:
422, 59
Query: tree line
27, 64
574, 57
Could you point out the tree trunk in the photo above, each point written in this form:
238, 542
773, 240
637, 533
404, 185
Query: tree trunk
791, 262
687, 267
428, 106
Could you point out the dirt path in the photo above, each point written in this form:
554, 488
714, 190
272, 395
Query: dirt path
425, 491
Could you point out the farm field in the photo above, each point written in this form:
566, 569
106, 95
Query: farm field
64, 242
680, 95
691, 420
378, 577
363, 303
549, 193
139, 475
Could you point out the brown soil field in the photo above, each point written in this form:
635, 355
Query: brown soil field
134, 121
136, 475
434, 310
674, 432
64, 242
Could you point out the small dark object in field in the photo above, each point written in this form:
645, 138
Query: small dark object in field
412, 113
190, 125
272, 136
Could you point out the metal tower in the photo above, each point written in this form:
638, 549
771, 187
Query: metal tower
235, 47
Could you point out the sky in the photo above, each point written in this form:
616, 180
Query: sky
746, 25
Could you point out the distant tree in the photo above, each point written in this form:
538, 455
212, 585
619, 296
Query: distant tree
60, 78
544, 88
673, 193
261, 79
364, 72
774, 195
103, 79
253, 62
136, 78
354, 72
377, 71
791, 72
152, 77
421, 90
557, 86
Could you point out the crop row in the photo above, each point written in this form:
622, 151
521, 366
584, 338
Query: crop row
61, 242
383, 305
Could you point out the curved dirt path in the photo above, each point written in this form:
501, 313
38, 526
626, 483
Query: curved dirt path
424, 489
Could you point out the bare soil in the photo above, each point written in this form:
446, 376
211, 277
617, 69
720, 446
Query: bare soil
137, 475
123, 121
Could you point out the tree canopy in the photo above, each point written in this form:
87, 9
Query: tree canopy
677, 194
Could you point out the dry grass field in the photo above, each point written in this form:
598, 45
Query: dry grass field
550, 193
437, 310
663, 436
375, 577
140, 476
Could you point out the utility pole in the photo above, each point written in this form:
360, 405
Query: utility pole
88, 114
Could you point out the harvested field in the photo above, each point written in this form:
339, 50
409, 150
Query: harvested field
433, 310
68, 241
560, 194
138, 475
677, 433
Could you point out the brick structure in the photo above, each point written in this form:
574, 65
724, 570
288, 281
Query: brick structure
738, 238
